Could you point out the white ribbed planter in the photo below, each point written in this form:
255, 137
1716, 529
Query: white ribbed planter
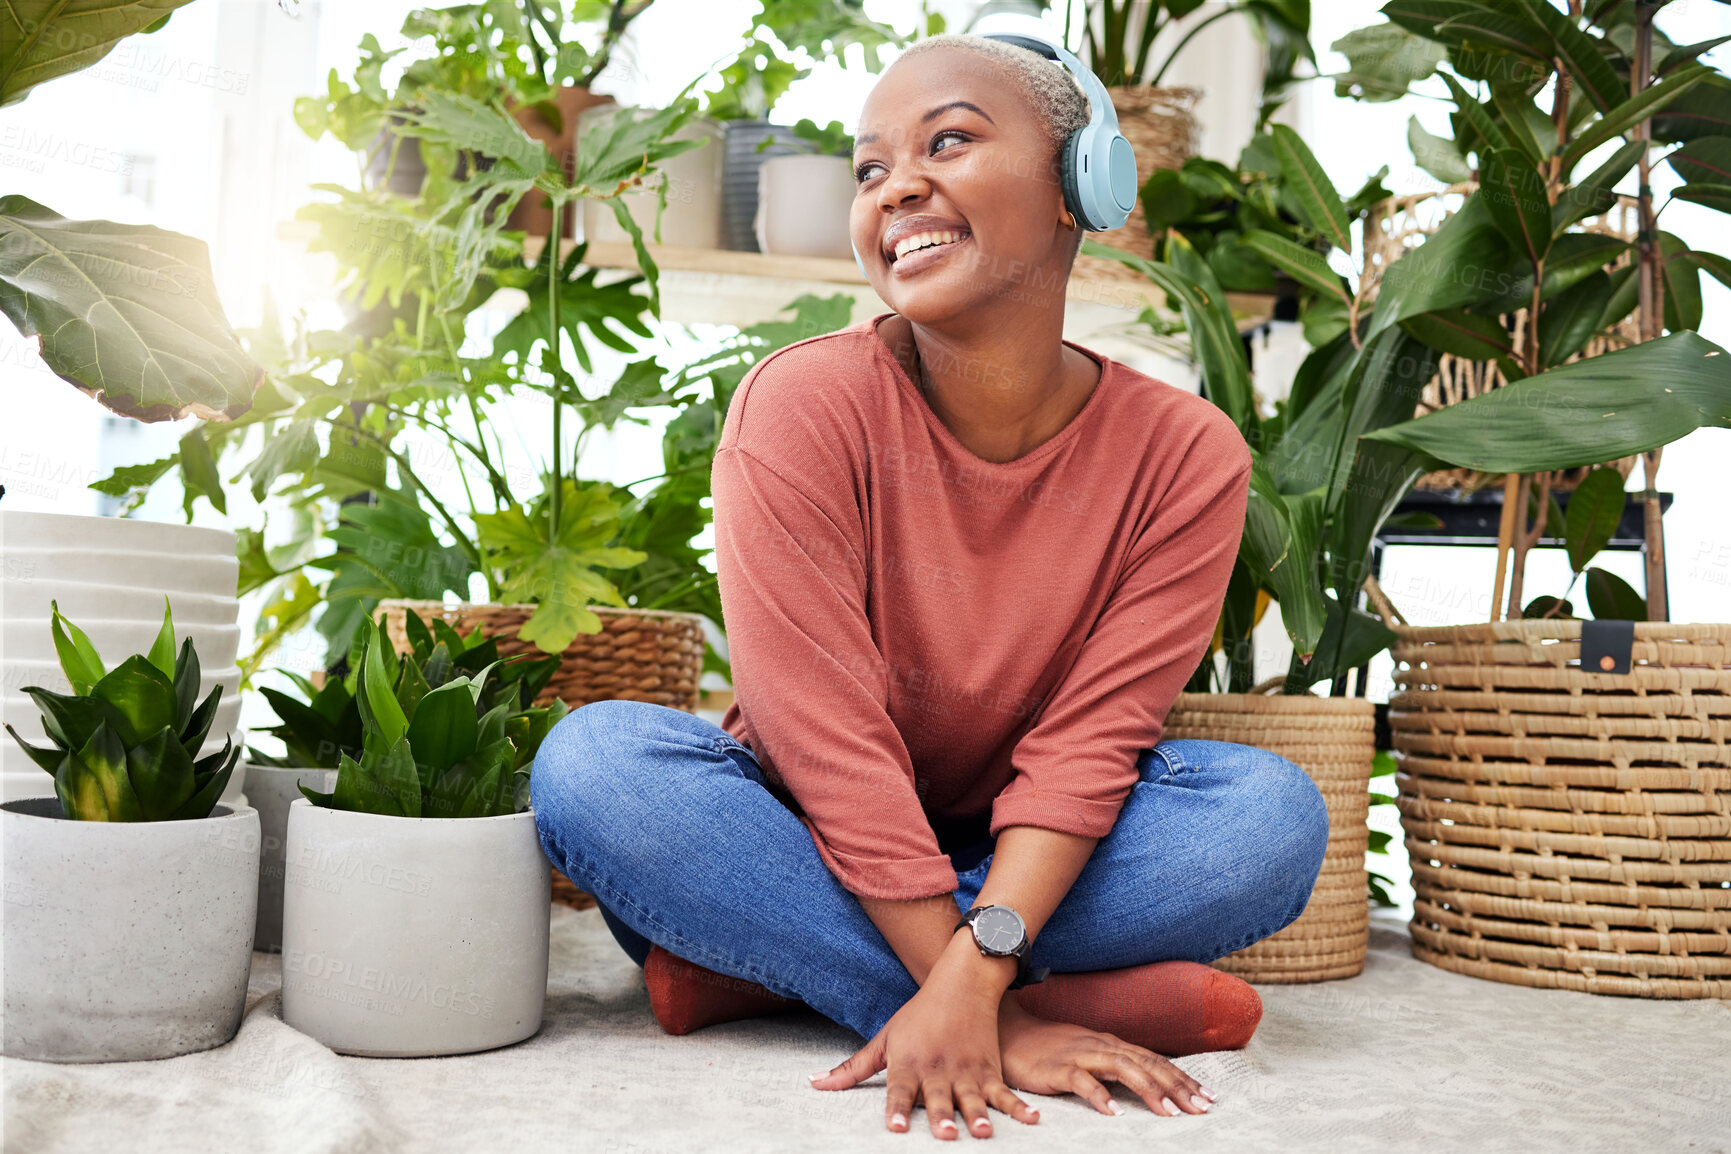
109, 576
414, 937
270, 791
125, 940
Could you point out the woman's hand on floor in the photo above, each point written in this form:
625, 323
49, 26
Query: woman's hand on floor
942, 1046
1045, 1057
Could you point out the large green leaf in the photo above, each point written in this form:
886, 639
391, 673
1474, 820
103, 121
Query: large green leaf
143, 698
78, 657
1452, 269
1514, 193
1595, 509
126, 313
43, 39
1594, 410
1570, 321
1282, 536
161, 774
99, 780
1437, 155
1304, 265
443, 730
1609, 596
1631, 112
1383, 61
1316, 195
1584, 56
1214, 338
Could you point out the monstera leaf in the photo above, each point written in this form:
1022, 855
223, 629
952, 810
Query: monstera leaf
126, 313
47, 38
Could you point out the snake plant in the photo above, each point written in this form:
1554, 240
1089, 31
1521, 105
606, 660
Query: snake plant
126, 739
447, 729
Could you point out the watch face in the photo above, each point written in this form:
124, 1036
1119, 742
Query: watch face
999, 930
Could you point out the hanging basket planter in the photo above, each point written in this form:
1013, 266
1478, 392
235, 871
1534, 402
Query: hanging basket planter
1333, 739
1568, 828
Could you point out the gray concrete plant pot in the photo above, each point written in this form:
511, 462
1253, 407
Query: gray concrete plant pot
125, 941
270, 790
414, 937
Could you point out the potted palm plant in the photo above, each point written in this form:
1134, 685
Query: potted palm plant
417, 898
131, 891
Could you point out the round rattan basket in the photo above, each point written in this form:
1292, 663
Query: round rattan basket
1568, 828
1160, 124
640, 655
1333, 739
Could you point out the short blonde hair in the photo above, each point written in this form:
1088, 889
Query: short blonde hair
1053, 94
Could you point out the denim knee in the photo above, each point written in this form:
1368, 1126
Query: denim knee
1297, 824
579, 780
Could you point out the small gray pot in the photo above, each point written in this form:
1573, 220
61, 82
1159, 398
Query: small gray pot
125, 941
740, 162
270, 790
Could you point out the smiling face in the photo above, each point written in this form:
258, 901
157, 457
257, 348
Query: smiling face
959, 204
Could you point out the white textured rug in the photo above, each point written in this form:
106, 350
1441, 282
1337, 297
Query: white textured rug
1403, 1057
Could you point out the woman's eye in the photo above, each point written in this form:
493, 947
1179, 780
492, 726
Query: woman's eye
959, 137
863, 171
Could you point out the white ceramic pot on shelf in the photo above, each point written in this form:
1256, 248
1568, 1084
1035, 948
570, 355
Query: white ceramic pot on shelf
802, 206
125, 941
692, 218
414, 937
109, 576
270, 791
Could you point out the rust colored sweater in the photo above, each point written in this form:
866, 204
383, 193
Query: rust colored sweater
920, 636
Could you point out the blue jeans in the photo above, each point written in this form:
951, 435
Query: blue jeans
666, 819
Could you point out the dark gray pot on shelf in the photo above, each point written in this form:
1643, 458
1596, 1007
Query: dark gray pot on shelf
739, 176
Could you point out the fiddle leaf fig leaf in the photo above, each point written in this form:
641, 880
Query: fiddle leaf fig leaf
49, 38
126, 313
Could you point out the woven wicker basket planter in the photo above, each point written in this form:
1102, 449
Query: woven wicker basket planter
639, 655
1333, 739
1568, 828
1160, 124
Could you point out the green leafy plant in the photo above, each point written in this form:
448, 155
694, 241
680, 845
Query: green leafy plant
1333, 460
112, 306
1119, 36
826, 140
447, 730
767, 64
126, 739
1595, 509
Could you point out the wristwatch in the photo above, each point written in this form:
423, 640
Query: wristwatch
1000, 933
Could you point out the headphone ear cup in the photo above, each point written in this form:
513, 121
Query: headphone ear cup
1069, 176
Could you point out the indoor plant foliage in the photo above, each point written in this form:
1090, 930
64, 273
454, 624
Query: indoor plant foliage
455, 939
1335, 458
125, 739
111, 304
447, 731
134, 940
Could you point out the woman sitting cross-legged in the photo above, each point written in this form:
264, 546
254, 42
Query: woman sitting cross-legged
966, 567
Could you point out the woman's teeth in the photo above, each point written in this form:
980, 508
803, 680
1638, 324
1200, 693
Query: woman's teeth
922, 240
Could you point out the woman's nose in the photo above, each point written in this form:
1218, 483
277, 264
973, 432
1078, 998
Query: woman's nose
907, 181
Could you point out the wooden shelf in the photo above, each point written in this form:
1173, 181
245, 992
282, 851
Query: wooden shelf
729, 281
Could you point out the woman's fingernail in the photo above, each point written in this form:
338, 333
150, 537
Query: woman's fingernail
982, 1124
815, 1077
898, 1119
1170, 1108
1211, 1094
1112, 1105
1200, 1102
946, 1124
